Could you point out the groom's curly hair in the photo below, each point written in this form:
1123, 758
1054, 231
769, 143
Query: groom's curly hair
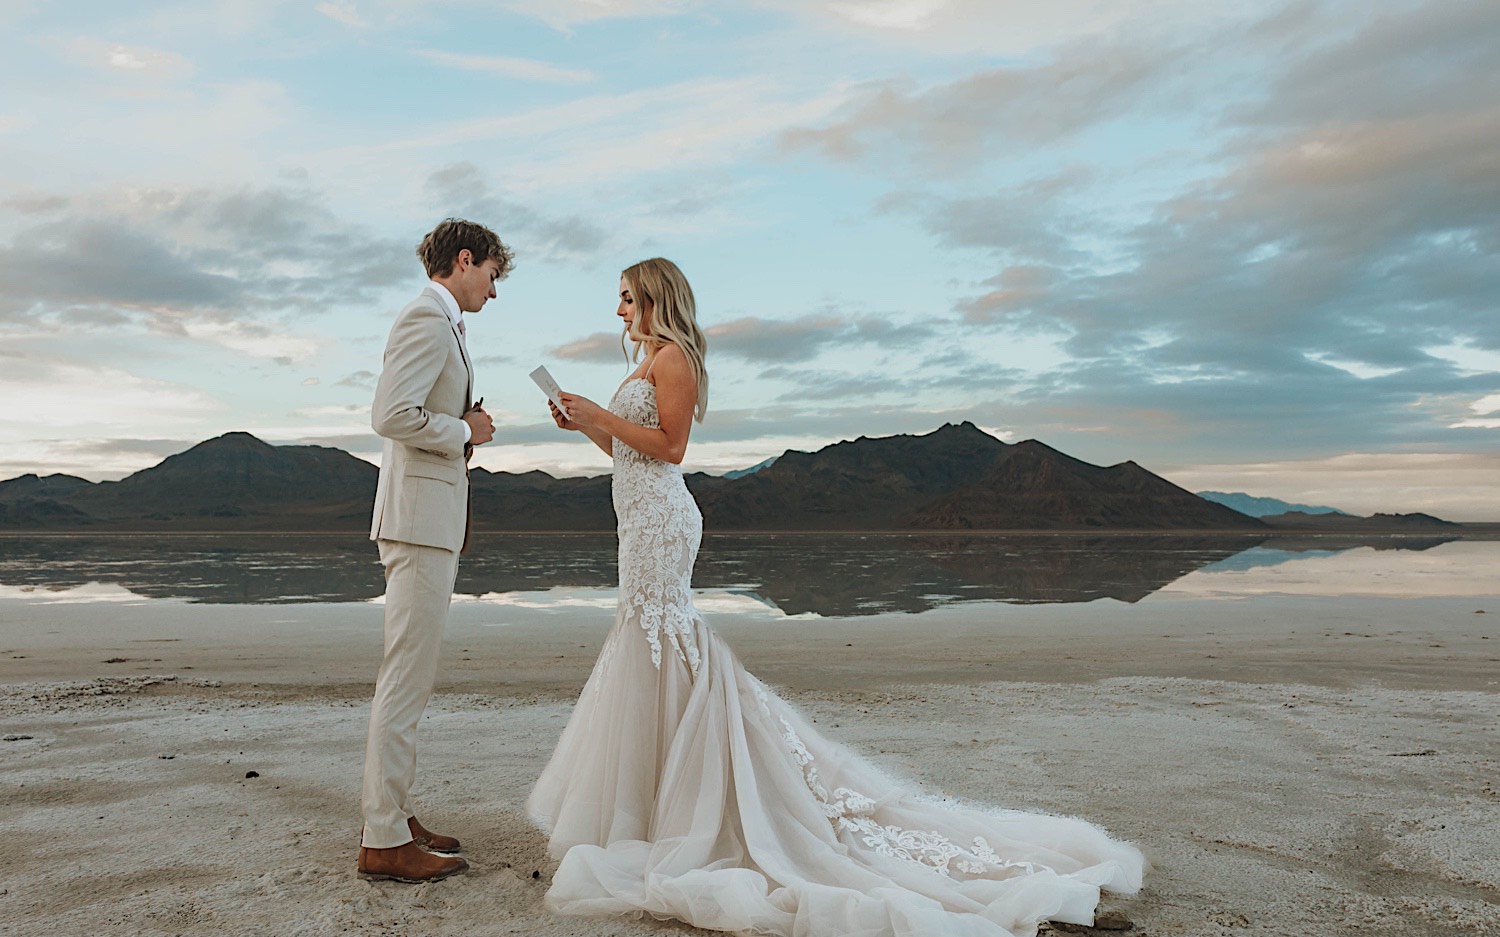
439, 249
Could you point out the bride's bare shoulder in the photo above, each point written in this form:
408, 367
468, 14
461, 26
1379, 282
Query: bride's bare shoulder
670, 359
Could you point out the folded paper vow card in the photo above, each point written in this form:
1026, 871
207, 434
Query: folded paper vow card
549, 387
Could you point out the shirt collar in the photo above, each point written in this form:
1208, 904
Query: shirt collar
450, 305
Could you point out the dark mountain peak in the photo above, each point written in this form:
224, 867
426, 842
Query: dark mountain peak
902, 453
869, 482
954, 429
1038, 447
1416, 518
907, 453
532, 475
740, 473
1258, 506
1032, 485
229, 449
1345, 522
238, 475
237, 441
56, 478
31, 485
1133, 473
1036, 452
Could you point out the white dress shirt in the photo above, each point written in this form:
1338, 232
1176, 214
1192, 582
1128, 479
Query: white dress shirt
450, 306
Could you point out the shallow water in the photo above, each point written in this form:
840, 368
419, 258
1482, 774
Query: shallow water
788, 576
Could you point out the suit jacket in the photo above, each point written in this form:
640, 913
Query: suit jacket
426, 385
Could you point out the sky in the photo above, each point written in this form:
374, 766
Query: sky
1252, 247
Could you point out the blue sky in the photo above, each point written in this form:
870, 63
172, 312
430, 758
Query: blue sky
1251, 249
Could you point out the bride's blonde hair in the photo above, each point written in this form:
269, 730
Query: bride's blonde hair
662, 293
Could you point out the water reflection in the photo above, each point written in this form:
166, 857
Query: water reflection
1465, 569
1277, 550
800, 575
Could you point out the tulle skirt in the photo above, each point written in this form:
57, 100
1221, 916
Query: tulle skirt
691, 791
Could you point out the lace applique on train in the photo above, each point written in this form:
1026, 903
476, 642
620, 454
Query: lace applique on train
659, 527
852, 812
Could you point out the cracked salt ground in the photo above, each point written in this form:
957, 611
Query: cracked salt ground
1260, 820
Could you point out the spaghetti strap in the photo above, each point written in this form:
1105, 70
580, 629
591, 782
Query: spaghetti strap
647, 375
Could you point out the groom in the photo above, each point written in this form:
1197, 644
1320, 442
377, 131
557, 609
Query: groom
425, 410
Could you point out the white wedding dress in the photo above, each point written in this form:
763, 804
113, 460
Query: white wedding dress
682, 787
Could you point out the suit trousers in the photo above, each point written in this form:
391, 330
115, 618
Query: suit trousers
418, 588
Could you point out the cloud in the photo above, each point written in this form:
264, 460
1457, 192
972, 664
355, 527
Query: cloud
343, 11
491, 359
36, 204
1414, 59
359, 380
600, 346
358, 444
890, 14
97, 399
225, 267
565, 14
252, 339
655, 132
151, 449
983, 26
1010, 107
342, 411
122, 60
1045, 224
802, 339
463, 190
93, 458
760, 340
521, 69
1454, 486
1290, 298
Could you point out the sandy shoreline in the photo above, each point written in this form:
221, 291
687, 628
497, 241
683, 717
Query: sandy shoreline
1295, 768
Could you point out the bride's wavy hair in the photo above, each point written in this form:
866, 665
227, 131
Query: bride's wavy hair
662, 293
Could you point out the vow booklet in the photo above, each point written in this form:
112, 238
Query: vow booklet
549, 387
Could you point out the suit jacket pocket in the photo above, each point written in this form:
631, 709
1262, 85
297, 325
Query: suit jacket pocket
422, 469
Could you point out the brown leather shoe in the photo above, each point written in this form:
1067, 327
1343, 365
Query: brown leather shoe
429, 840
407, 863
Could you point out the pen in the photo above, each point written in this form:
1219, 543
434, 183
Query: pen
478, 404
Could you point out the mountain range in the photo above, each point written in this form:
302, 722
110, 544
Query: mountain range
953, 479
1263, 507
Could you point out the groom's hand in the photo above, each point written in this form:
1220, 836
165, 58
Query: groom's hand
481, 427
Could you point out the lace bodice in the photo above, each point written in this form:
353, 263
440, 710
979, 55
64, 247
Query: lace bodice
659, 527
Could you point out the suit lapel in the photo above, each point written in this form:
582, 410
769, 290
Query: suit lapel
463, 352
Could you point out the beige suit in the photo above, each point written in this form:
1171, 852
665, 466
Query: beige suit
421, 523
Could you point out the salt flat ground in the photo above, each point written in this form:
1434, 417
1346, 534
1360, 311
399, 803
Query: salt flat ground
1292, 765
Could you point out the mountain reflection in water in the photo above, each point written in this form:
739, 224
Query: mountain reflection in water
828, 575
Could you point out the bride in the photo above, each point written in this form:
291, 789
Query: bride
683, 787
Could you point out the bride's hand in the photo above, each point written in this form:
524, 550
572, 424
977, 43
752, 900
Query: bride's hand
582, 412
562, 421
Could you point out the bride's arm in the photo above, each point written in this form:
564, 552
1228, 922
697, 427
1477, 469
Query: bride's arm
676, 397
601, 439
